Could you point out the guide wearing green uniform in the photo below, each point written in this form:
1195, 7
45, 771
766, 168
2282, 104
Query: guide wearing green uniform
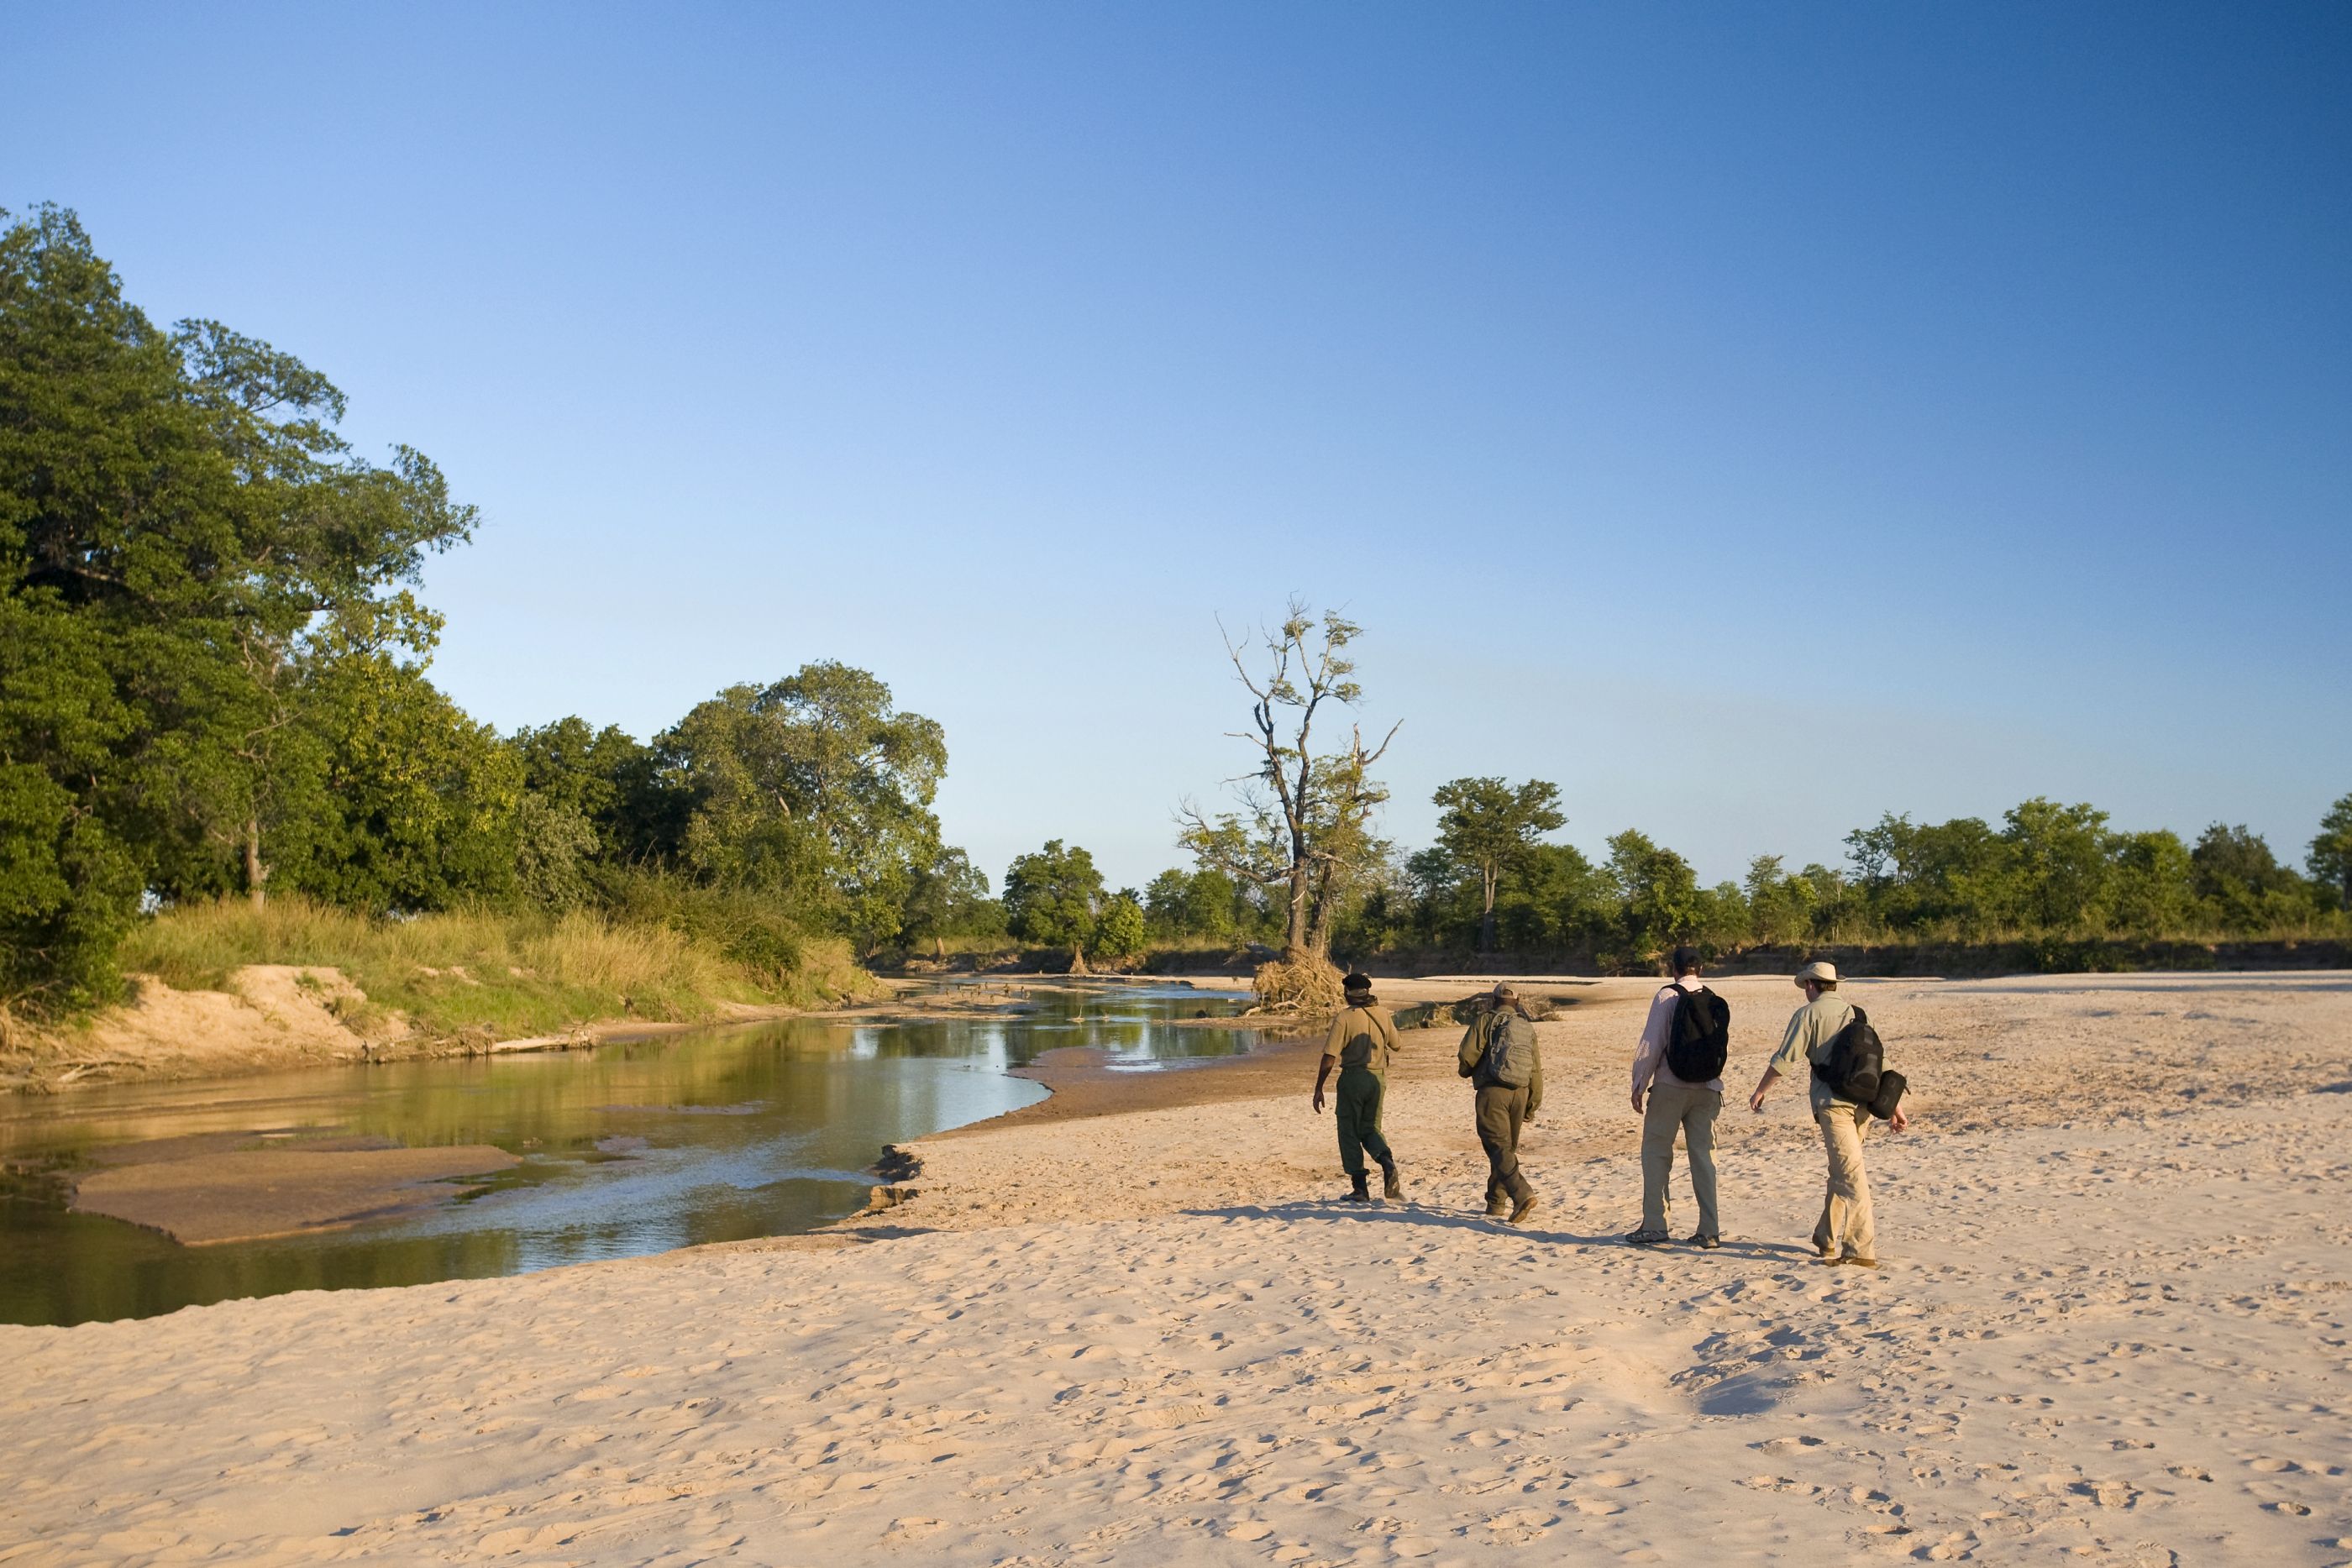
1361, 1040
1509, 1085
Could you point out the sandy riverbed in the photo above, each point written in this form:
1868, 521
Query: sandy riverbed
2113, 1324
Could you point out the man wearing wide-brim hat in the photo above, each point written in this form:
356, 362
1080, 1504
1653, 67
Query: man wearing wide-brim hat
1847, 1232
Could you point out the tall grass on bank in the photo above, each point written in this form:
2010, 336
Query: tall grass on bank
506, 973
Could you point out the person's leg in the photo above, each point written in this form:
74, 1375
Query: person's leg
1825, 1236
1516, 1182
1862, 1224
1347, 1110
1659, 1119
1701, 1107
1371, 1093
1361, 1092
1499, 1111
1846, 1225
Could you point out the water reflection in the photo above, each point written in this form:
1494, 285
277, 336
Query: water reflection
718, 1135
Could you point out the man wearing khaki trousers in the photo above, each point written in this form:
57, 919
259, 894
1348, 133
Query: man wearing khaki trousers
1674, 1106
1847, 1231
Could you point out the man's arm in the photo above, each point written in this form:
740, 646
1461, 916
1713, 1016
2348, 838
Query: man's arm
1535, 1083
1653, 1048
1323, 1076
1789, 1053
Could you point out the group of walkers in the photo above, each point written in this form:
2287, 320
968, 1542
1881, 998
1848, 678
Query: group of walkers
1677, 1090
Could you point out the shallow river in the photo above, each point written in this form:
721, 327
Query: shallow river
717, 1135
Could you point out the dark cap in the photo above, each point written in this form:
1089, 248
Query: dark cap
1357, 983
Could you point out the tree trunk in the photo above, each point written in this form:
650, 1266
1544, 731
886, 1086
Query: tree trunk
1078, 960
255, 874
1294, 932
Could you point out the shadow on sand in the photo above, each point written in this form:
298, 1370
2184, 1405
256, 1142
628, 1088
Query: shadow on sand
1408, 1212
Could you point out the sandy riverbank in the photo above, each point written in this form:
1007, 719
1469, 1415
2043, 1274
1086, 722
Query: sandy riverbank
2113, 1324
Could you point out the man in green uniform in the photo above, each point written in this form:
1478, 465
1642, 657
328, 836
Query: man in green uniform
1362, 1039
1498, 1055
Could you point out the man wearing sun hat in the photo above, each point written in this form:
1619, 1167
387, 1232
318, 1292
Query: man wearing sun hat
1847, 1231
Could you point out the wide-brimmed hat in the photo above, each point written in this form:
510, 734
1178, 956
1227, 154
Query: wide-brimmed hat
1819, 972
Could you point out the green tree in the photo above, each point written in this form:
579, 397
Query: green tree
2061, 860
2155, 889
554, 845
1558, 898
2330, 861
1302, 830
1661, 902
428, 802
1118, 929
184, 538
1051, 899
1779, 905
1202, 902
815, 789
948, 897
1490, 827
2239, 879
571, 763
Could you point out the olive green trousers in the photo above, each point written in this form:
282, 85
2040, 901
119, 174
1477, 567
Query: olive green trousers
1356, 1109
1500, 1111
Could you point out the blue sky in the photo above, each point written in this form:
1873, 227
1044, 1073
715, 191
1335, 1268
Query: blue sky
1751, 418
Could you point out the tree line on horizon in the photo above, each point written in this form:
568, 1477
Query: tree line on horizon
2046, 873
1298, 866
213, 685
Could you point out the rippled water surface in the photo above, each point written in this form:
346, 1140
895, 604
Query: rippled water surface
717, 1135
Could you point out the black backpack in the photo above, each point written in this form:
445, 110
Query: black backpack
1698, 1041
1856, 1071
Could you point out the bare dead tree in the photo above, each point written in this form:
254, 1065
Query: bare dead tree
1302, 822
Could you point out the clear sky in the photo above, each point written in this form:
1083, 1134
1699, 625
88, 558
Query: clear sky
1752, 418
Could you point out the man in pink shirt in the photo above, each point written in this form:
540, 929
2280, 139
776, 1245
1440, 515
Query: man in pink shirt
1675, 1105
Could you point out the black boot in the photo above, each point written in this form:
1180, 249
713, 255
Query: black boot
1363, 1193
1391, 1184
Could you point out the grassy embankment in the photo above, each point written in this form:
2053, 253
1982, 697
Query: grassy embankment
500, 975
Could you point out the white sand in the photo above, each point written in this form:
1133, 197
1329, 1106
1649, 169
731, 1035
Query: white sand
2113, 1325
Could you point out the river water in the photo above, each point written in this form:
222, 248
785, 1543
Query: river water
716, 1135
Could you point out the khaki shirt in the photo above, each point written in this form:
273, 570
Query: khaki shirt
1473, 1050
1363, 1037
1812, 1028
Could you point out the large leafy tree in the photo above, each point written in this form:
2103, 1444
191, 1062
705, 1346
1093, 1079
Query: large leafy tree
949, 897
2061, 862
2240, 879
1051, 898
1491, 828
1304, 830
1661, 902
427, 803
815, 789
1779, 905
184, 542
